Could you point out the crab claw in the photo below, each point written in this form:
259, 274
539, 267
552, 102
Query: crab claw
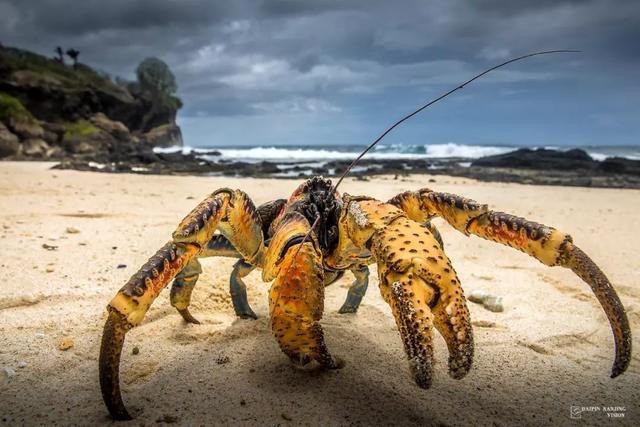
115, 329
427, 292
426, 295
416, 331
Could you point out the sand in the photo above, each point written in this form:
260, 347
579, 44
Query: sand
65, 233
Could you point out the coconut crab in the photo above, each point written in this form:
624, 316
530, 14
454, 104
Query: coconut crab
309, 240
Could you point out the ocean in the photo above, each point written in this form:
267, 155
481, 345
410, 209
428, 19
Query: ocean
324, 153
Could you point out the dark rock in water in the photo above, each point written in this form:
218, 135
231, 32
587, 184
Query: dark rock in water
321, 171
135, 155
540, 158
175, 157
551, 167
210, 153
267, 168
394, 165
620, 165
142, 160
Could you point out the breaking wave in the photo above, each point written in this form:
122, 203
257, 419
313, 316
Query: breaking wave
292, 153
383, 152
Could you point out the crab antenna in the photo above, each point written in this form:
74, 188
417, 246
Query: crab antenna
408, 116
433, 101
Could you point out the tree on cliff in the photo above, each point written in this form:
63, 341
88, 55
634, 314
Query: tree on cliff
60, 53
156, 80
154, 75
73, 54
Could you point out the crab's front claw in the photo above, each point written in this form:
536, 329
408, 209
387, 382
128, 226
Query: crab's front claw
419, 284
296, 297
416, 330
417, 281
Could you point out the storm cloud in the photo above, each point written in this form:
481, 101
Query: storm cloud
278, 72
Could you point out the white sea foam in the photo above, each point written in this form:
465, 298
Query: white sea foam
180, 149
290, 154
466, 151
384, 152
597, 156
283, 154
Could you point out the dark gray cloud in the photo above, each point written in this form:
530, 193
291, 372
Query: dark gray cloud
348, 64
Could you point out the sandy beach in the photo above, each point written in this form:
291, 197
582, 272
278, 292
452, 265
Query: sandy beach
71, 239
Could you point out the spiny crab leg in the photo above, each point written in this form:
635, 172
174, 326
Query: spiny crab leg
126, 311
129, 306
580, 263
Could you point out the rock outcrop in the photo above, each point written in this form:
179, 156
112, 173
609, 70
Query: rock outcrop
541, 158
168, 135
9, 143
575, 160
49, 109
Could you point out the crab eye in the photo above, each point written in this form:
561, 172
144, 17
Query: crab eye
332, 232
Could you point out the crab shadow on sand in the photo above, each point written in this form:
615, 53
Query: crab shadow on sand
259, 386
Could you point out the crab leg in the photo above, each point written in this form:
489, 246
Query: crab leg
186, 280
239, 290
182, 288
357, 290
417, 281
219, 246
230, 211
241, 237
127, 309
296, 298
546, 244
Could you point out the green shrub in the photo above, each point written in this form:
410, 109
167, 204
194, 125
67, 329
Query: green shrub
12, 108
78, 130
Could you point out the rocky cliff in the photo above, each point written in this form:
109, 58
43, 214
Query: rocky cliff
52, 110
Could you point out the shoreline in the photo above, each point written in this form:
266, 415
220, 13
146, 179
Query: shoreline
604, 175
535, 166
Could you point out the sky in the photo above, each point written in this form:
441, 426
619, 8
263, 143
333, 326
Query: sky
278, 72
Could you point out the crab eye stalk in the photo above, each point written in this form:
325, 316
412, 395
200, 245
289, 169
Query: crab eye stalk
332, 237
